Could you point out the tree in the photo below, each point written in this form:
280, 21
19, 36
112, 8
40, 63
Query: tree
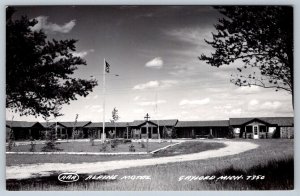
115, 117
38, 70
261, 37
51, 144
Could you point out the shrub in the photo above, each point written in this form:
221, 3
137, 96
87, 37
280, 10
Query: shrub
114, 144
125, 141
11, 141
92, 141
210, 136
51, 143
143, 144
131, 148
103, 147
32, 146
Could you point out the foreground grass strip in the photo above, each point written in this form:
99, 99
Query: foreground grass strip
277, 175
28, 171
165, 177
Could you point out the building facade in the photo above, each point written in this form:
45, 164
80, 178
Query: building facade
247, 128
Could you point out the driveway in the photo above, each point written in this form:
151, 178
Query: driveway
45, 169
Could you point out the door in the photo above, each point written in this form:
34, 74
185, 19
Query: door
255, 132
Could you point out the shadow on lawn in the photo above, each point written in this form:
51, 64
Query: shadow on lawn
279, 175
40, 183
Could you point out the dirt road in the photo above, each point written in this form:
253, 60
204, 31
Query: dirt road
45, 169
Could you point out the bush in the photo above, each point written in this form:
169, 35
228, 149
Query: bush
193, 136
131, 148
125, 141
114, 144
32, 146
92, 141
51, 143
103, 147
143, 144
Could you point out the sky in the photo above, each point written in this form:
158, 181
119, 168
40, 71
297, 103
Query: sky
154, 50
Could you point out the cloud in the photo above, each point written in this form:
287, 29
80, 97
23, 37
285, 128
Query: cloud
253, 102
255, 105
271, 105
155, 84
136, 98
150, 84
138, 111
95, 96
247, 89
157, 63
194, 102
190, 35
50, 27
94, 108
83, 53
167, 83
151, 103
234, 112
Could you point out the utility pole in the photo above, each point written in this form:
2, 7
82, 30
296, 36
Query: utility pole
103, 91
147, 119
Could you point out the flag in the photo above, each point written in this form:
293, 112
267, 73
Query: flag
107, 67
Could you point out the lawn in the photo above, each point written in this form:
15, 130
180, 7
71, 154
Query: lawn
183, 148
87, 147
272, 155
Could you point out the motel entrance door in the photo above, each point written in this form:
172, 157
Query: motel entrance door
255, 132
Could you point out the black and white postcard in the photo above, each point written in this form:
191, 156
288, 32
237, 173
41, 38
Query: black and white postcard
149, 98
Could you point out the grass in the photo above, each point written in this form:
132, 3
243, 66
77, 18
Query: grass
274, 175
270, 159
188, 148
183, 148
87, 147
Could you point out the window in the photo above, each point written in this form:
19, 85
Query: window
237, 130
144, 130
248, 129
154, 131
255, 130
263, 128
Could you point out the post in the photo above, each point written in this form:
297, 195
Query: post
157, 118
56, 130
103, 123
147, 118
147, 137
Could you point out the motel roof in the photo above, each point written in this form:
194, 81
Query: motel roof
78, 124
168, 122
108, 124
211, 123
280, 121
21, 124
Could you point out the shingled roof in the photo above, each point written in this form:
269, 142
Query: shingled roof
22, 124
49, 124
211, 123
108, 124
78, 124
168, 122
280, 121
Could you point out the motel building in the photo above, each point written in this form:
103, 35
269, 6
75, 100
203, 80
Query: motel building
247, 128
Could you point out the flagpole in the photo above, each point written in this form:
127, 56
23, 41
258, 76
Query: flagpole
157, 116
103, 130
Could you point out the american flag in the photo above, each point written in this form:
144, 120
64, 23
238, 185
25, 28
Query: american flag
107, 67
